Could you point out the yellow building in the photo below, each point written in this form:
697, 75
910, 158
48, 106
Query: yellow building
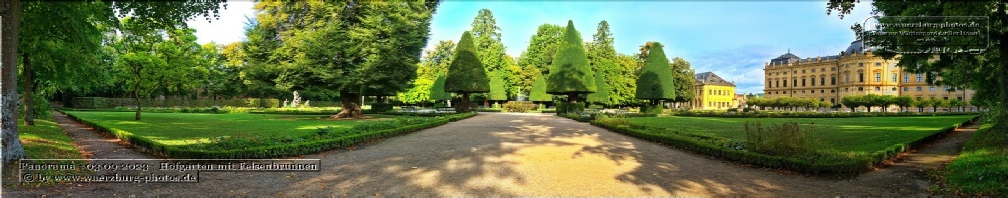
713, 93
855, 71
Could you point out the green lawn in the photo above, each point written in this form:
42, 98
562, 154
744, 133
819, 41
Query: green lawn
193, 128
866, 134
46, 140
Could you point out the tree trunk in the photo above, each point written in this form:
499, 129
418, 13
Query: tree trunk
10, 21
29, 103
350, 105
463, 106
136, 97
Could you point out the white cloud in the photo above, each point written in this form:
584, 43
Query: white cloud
742, 65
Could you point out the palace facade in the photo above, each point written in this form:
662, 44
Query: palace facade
855, 71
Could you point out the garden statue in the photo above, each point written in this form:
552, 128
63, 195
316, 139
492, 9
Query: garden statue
296, 101
306, 103
285, 103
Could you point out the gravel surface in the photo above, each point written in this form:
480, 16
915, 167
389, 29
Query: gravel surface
516, 154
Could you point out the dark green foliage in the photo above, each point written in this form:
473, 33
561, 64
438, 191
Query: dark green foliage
982, 166
602, 93
566, 107
570, 73
542, 48
437, 91
684, 80
103, 103
381, 107
656, 81
538, 93
466, 73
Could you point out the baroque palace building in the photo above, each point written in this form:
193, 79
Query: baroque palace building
855, 71
713, 93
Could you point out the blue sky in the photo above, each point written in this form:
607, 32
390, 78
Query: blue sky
731, 38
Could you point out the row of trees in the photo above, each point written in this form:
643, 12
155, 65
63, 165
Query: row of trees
903, 102
868, 101
613, 76
788, 103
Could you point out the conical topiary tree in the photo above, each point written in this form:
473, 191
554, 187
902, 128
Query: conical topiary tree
497, 92
538, 91
466, 74
601, 94
570, 75
437, 90
656, 82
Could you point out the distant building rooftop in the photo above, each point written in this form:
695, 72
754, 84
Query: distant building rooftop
709, 78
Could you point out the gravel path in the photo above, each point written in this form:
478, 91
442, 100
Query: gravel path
516, 154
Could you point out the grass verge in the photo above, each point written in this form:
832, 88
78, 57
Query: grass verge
851, 145
981, 169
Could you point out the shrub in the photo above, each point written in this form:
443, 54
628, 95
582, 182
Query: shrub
786, 139
382, 107
733, 110
519, 106
565, 107
652, 109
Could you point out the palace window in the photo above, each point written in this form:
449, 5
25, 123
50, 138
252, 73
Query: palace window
795, 83
803, 71
893, 89
832, 80
822, 91
785, 83
906, 77
860, 64
919, 77
813, 81
878, 77
918, 88
802, 82
847, 78
932, 88
832, 90
878, 89
906, 89
878, 64
860, 77
802, 91
822, 81
893, 77
860, 89
823, 69
945, 98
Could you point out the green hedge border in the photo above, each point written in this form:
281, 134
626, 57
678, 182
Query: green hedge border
856, 164
800, 114
285, 150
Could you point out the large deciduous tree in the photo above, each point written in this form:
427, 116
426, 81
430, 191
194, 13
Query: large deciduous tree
487, 40
656, 82
354, 48
986, 72
570, 73
539, 54
684, 80
466, 74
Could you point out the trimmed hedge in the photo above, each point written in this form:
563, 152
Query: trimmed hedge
587, 117
271, 151
519, 106
104, 103
564, 107
807, 114
822, 162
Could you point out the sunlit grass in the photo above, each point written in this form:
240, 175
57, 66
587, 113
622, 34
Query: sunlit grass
862, 134
46, 140
194, 128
